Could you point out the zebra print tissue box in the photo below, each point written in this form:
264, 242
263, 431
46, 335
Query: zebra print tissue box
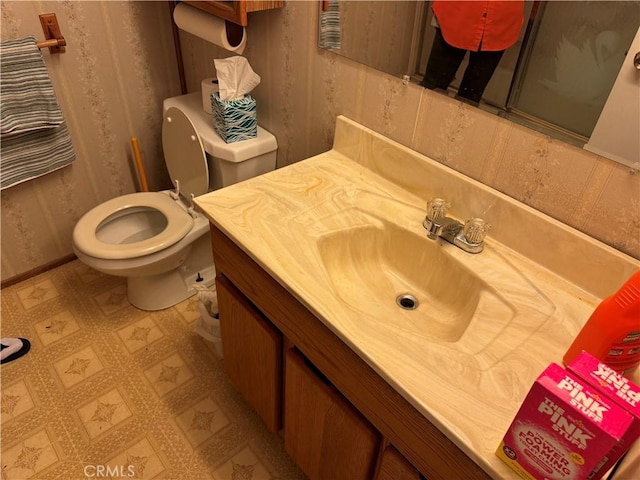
234, 120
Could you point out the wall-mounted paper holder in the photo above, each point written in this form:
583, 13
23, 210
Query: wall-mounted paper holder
54, 39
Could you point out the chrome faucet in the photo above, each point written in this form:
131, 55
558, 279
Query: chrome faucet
468, 236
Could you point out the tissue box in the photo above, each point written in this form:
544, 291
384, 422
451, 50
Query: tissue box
234, 120
565, 430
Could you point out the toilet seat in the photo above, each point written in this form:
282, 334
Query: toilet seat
179, 223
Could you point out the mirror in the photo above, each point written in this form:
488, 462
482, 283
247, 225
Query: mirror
380, 34
556, 77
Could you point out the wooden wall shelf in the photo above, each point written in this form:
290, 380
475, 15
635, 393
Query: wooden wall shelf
235, 11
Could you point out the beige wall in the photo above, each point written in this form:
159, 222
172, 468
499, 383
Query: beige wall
111, 94
380, 33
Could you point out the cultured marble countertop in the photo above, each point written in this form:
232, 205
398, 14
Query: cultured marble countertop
470, 392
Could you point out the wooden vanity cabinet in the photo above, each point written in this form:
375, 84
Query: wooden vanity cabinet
252, 353
248, 293
393, 466
323, 433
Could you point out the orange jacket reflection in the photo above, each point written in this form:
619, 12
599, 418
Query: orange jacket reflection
489, 25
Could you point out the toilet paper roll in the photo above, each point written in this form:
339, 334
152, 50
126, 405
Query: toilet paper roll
208, 27
208, 86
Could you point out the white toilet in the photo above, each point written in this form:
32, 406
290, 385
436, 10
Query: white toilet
157, 239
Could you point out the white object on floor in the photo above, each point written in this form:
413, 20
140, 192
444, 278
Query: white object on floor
208, 325
12, 345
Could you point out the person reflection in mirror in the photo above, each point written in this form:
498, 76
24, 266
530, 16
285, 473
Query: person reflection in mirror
484, 28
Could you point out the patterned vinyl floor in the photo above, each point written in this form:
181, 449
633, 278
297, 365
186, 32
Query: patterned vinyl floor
110, 391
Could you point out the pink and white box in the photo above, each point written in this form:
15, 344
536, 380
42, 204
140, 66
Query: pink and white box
564, 429
619, 389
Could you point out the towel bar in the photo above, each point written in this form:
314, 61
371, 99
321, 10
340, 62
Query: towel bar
54, 39
54, 42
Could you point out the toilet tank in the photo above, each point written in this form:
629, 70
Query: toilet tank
228, 163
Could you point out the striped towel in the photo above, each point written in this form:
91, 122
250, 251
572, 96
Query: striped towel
330, 35
33, 135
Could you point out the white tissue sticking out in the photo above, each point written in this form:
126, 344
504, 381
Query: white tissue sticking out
235, 77
207, 297
208, 325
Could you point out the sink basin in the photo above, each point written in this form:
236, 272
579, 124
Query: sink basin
371, 266
475, 309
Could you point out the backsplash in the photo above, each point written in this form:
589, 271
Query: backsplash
302, 91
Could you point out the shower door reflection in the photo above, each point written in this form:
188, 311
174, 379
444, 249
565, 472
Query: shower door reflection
572, 57
558, 75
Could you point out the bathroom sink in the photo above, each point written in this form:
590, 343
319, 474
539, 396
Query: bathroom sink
379, 263
342, 233
388, 272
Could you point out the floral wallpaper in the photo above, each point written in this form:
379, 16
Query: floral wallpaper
120, 64
365, 20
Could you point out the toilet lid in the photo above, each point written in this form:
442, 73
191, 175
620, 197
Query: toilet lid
184, 154
179, 223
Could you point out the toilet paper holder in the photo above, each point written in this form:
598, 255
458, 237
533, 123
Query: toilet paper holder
209, 26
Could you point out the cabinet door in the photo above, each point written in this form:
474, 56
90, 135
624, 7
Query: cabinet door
393, 466
252, 349
323, 433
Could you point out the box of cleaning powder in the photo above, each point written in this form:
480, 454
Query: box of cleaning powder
563, 430
619, 389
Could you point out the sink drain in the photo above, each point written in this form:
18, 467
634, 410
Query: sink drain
407, 301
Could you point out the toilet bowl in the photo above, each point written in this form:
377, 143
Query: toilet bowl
157, 239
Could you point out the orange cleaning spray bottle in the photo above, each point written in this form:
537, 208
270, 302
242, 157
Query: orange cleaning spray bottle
612, 333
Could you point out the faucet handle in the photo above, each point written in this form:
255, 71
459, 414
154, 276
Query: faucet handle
475, 230
437, 208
